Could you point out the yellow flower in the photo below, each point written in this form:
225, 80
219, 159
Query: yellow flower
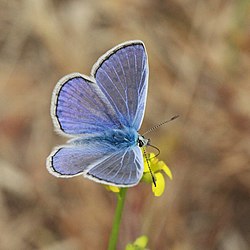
156, 167
139, 244
112, 188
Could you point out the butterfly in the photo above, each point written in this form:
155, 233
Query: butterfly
101, 115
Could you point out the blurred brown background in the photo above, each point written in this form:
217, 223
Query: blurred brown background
199, 56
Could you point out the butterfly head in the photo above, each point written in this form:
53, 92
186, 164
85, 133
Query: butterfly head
142, 142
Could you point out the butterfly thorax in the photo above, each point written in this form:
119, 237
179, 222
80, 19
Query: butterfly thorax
125, 137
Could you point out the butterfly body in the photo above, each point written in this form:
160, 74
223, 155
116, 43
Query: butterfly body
115, 138
102, 115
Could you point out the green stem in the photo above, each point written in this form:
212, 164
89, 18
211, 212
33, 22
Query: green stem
117, 220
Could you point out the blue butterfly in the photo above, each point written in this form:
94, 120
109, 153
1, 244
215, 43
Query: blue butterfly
102, 115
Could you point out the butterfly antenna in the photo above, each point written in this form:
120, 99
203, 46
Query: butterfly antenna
158, 150
157, 126
150, 170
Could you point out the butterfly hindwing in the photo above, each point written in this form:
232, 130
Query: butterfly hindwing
124, 168
102, 164
70, 160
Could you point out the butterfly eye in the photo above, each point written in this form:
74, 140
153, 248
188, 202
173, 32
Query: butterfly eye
140, 143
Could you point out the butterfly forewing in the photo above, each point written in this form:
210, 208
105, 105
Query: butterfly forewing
122, 75
79, 107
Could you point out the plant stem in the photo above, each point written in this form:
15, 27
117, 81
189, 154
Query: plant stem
117, 220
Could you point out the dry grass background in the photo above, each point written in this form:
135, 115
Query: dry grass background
199, 56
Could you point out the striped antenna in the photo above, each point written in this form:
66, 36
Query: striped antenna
157, 126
